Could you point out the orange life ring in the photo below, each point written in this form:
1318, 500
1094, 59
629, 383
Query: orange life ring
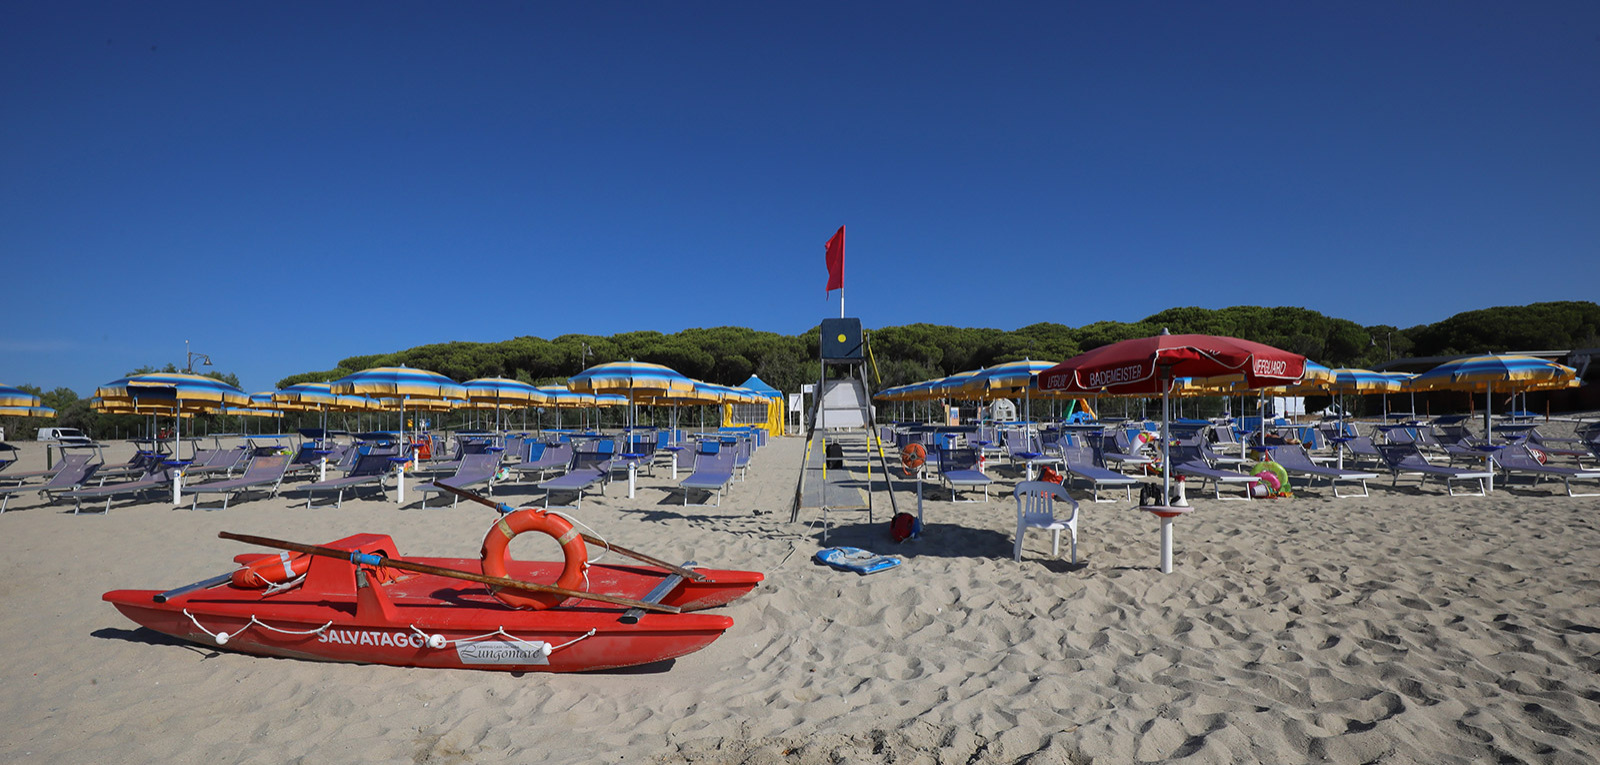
497, 556
267, 570
912, 456
423, 448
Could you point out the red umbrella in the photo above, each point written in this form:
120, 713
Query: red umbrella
1150, 364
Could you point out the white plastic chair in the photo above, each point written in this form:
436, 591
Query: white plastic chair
1036, 505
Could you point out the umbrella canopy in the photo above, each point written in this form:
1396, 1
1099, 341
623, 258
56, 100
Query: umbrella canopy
174, 393
1007, 379
316, 397
1485, 374
1150, 364
1506, 373
501, 391
26, 411
400, 382
629, 375
173, 390
561, 398
17, 397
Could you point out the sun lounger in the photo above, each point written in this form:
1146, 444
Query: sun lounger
588, 468
1294, 460
713, 470
368, 470
71, 473
958, 468
1359, 449
1407, 458
549, 457
218, 461
1519, 459
1078, 462
264, 470
475, 469
1191, 460
156, 478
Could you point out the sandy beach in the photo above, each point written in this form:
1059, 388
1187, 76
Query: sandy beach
1405, 627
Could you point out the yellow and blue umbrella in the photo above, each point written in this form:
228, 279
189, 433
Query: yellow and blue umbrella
1507, 373
174, 393
16, 402
631, 376
402, 388
501, 393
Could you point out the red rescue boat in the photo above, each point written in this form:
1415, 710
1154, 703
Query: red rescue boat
353, 609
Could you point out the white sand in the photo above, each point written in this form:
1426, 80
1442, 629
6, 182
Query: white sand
1408, 627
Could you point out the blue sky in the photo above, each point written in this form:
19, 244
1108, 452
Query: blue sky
288, 184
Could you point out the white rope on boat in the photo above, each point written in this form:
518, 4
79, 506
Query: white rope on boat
437, 641
222, 638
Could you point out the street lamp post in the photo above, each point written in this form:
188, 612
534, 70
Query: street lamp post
188, 365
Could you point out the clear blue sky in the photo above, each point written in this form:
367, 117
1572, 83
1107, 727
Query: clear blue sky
288, 184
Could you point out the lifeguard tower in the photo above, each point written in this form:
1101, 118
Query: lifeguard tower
837, 471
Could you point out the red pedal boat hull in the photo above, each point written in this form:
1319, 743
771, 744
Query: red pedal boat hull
421, 620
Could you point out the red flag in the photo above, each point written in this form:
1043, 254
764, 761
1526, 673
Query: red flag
835, 258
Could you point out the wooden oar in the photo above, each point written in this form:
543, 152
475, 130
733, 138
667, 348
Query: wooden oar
371, 559
590, 538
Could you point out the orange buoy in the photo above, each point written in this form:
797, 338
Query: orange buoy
912, 456
268, 570
497, 556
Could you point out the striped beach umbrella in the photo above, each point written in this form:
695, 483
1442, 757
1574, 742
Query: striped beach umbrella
399, 387
1505, 373
500, 393
629, 377
174, 393
16, 402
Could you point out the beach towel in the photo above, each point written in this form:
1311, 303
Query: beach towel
856, 559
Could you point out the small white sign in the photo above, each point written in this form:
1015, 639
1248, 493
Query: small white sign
794, 402
808, 388
503, 652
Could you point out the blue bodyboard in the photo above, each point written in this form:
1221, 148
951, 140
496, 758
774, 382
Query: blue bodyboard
857, 560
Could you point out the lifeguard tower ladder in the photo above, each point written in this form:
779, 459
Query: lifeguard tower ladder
836, 472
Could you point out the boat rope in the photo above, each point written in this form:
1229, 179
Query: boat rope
274, 589
605, 548
437, 641
222, 638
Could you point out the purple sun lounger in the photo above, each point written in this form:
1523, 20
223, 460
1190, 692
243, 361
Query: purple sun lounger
369, 470
1078, 461
1407, 458
265, 470
1518, 459
713, 470
958, 468
1193, 461
588, 468
71, 473
157, 477
475, 469
1295, 461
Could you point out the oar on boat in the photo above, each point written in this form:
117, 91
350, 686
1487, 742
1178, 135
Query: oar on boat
371, 559
590, 538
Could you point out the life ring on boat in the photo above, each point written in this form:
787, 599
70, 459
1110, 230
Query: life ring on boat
267, 570
497, 556
912, 456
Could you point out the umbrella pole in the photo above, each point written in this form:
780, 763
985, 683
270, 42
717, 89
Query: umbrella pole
1166, 441
1488, 433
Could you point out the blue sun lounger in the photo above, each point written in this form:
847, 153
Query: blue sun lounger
1295, 461
958, 468
588, 468
1193, 461
713, 470
369, 470
264, 470
157, 477
1078, 461
1517, 459
1407, 458
475, 469
71, 473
